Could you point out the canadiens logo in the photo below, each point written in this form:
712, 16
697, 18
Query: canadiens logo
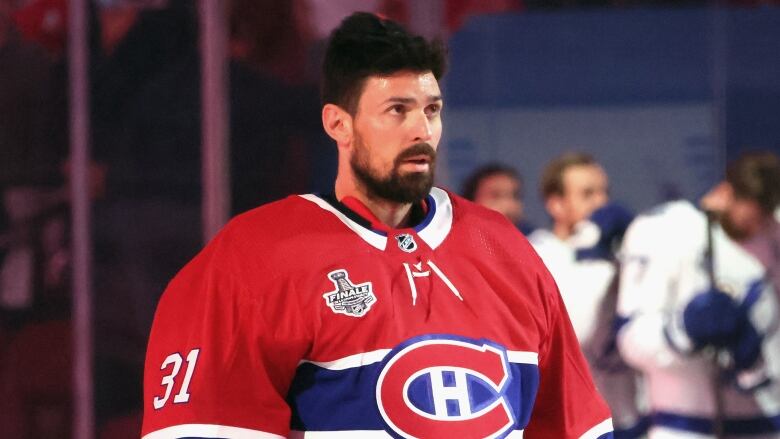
406, 242
445, 386
349, 299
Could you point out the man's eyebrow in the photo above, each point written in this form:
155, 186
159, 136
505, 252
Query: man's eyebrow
407, 100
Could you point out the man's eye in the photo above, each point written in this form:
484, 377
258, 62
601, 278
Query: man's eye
588, 193
397, 109
432, 110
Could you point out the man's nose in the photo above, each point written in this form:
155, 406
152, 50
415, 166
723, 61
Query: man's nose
421, 129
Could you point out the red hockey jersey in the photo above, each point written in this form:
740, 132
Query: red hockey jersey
300, 320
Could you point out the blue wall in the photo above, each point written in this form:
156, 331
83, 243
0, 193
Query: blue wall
662, 97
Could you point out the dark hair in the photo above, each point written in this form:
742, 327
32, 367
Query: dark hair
756, 176
365, 45
552, 176
475, 179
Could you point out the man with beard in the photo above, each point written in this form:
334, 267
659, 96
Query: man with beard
700, 309
390, 308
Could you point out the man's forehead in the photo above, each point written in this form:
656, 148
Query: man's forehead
403, 84
588, 170
583, 176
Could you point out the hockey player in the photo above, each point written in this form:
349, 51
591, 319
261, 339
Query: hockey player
498, 187
700, 310
747, 217
578, 250
390, 308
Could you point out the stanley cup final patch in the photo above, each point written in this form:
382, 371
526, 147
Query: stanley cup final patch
348, 298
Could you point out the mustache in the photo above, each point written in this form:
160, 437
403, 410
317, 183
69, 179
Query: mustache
415, 150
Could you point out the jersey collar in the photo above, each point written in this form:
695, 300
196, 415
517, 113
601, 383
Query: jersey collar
433, 229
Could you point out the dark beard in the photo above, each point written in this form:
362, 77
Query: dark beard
408, 188
734, 232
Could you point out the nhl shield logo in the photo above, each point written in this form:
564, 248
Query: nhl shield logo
349, 299
406, 242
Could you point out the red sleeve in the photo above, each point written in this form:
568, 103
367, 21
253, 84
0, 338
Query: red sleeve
567, 404
215, 366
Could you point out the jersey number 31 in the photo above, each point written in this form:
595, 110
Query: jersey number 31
168, 380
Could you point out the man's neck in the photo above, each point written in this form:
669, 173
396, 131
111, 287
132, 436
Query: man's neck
392, 214
764, 244
562, 231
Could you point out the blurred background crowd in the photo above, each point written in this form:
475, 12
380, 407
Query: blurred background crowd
662, 93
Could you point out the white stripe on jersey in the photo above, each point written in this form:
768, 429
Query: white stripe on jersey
351, 361
369, 236
433, 233
359, 434
366, 358
600, 429
210, 431
523, 357
347, 434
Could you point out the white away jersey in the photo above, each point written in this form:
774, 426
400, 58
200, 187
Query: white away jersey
664, 267
588, 289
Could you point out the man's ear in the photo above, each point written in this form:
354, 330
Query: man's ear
554, 206
337, 123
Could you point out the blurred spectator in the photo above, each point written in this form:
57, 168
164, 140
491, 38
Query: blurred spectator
44, 22
34, 270
138, 44
148, 129
579, 251
500, 188
270, 36
32, 149
33, 197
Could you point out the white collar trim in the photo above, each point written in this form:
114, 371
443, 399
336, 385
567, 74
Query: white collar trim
437, 230
433, 233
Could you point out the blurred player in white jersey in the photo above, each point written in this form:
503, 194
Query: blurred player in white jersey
700, 311
579, 252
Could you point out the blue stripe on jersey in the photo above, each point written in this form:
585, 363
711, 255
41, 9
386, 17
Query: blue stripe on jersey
636, 431
332, 400
323, 399
607, 436
619, 322
738, 426
431, 202
753, 294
